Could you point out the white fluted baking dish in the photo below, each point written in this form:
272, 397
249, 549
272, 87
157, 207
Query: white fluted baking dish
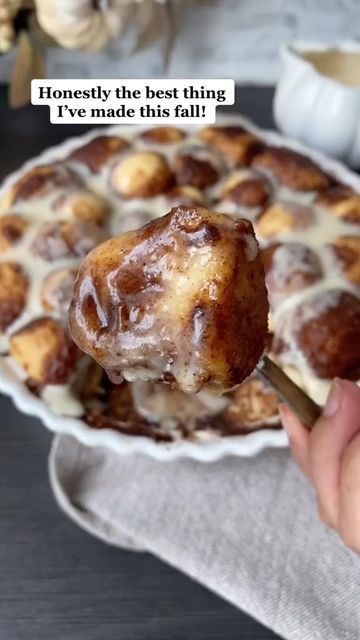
11, 382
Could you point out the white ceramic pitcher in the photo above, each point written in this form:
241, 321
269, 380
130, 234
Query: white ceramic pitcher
317, 99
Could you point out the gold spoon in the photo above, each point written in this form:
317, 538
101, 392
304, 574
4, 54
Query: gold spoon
305, 408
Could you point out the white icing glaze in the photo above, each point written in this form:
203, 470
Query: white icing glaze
62, 400
35, 267
251, 248
325, 230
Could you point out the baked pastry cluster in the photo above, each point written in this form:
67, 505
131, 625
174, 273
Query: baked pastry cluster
308, 227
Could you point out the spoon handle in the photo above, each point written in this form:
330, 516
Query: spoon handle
305, 408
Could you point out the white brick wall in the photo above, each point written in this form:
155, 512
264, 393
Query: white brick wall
220, 38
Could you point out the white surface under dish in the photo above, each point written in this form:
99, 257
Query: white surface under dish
239, 445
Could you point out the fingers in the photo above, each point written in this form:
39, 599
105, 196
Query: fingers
338, 424
349, 510
329, 455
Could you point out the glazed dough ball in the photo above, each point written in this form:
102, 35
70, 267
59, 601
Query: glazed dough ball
290, 267
66, 239
144, 174
163, 135
247, 189
13, 293
83, 205
283, 217
182, 300
99, 152
40, 182
45, 351
56, 290
193, 171
347, 252
12, 229
291, 169
185, 195
342, 202
235, 143
326, 329
252, 405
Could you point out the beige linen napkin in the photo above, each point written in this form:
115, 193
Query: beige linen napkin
245, 528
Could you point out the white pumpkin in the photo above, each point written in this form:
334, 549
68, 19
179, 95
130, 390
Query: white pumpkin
89, 26
317, 98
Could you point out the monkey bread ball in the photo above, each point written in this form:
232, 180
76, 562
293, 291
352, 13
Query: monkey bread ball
143, 174
342, 202
98, 152
82, 204
289, 267
185, 195
12, 229
181, 300
193, 171
247, 189
163, 135
39, 182
326, 330
347, 252
235, 143
283, 217
66, 238
14, 287
56, 290
44, 349
291, 169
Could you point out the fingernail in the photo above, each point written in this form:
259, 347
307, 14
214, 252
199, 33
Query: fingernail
333, 400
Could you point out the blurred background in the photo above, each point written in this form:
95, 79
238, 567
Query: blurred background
160, 38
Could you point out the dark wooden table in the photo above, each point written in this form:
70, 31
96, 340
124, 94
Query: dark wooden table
56, 582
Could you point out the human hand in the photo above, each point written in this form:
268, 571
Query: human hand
329, 455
